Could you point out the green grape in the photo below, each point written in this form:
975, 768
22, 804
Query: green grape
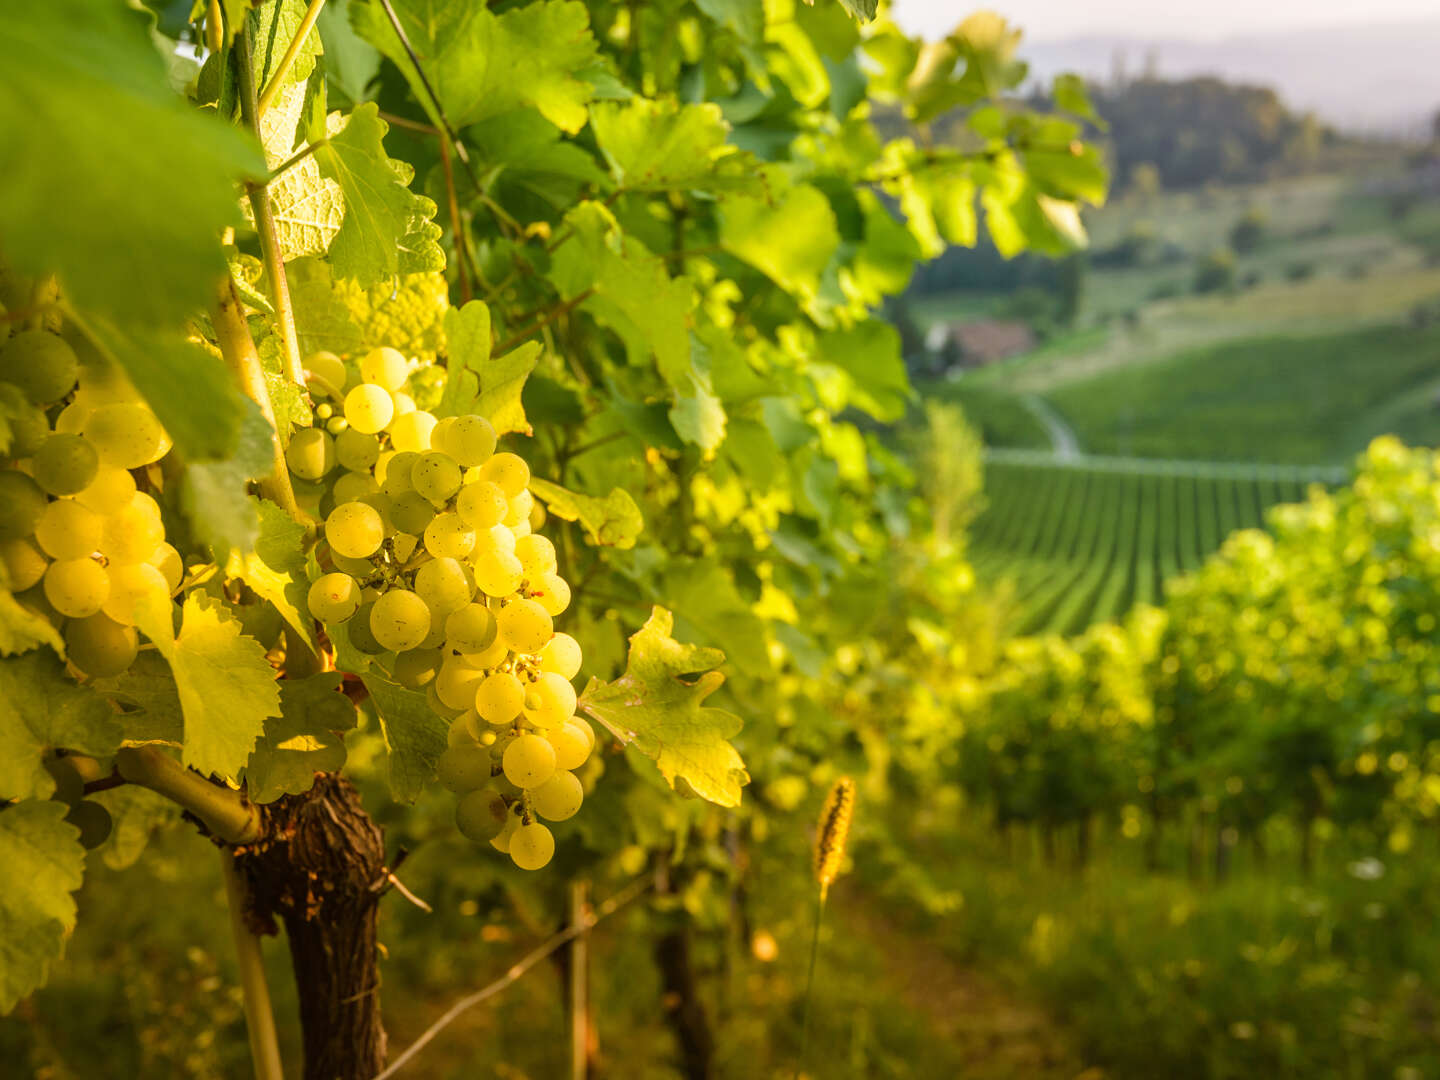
99, 646
412, 431
324, 411
66, 530
110, 490
76, 588
447, 537
438, 707
508, 471
498, 574
28, 426
411, 512
167, 560
481, 815
331, 373
129, 585
456, 684
356, 568
579, 723
524, 625
482, 505
25, 565
532, 846
470, 440
404, 404
442, 584
394, 471
333, 598
337, 426
517, 513
93, 821
512, 823
462, 731
353, 486
369, 409
417, 668
385, 367
491, 657
549, 701
536, 555
355, 530
561, 655
382, 504
500, 698
572, 745
400, 620
559, 798
463, 768
311, 453
145, 501
41, 364
21, 504
529, 761
552, 592
125, 435
356, 451
435, 476
69, 785
131, 534
441, 432
470, 629
537, 516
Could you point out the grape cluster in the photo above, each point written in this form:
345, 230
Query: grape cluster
432, 557
81, 544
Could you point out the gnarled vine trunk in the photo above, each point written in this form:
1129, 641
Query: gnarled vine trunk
320, 870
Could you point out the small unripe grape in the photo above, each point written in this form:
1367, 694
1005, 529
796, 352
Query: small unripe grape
356, 451
470, 629
482, 505
400, 620
130, 584
572, 745
76, 588
93, 821
369, 409
549, 701
500, 698
311, 453
324, 411
498, 573
561, 655
131, 534
481, 815
524, 625
447, 537
125, 435
471, 440
25, 565
355, 530
532, 846
412, 431
536, 555
442, 584
21, 504
417, 668
333, 598
559, 798
456, 684
508, 471
66, 530
167, 560
436, 476
331, 371
337, 425
385, 367
463, 768
529, 761
99, 646
111, 489
65, 464
41, 364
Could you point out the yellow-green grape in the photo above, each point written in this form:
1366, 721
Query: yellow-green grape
131, 534
129, 585
111, 489
561, 655
331, 373
536, 555
517, 512
471, 441
21, 504
93, 821
400, 620
356, 568
524, 625
559, 798
40, 363
71, 419
492, 656
333, 598
585, 729
125, 435
512, 823
395, 477
99, 646
552, 592
385, 367
470, 629
435, 476
572, 745
520, 530
456, 684
66, 530
438, 707
462, 730
442, 584
529, 761
447, 537
352, 486
311, 453
481, 815
145, 501
167, 560
358, 629
440, 433
482, 505
463, 768
500, 698
412, 431
368, 409
25, 566
411, 512
532, 846
496, 538
417, 668
404, 405
324, 411
28, 427
65, 464
537, 516
76, 588
508, 471
337, 425
355, 530
498, 573
356, 451
549, 701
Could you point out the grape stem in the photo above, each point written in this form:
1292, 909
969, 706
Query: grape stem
259, 1015
282, 72
545, 319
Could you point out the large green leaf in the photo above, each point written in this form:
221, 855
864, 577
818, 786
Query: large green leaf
659, 145
275, 568
869, 352
658, 710
502, 381
22, 629
146, 691
308, 737
614, 521
789, 238
213, 494
414, 734
44, 863
43, 709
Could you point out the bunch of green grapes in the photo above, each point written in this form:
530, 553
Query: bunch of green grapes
433, 558
81, 544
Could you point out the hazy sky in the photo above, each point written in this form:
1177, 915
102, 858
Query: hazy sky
1169, 18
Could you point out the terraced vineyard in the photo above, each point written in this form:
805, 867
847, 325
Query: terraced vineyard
1084, 541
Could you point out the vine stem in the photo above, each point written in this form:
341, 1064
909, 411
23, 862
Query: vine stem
543, 321
277, 80
264, 214
222, 810
259, 1015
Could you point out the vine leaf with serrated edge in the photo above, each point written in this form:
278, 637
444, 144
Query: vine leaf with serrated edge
42, 709
44, 864
614, 521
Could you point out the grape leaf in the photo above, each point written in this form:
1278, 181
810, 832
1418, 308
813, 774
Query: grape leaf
44, 863
213, 495
275, 568
614, 521
864, 10
711, 609
350, 61
869, 353
307, 738
414, 734
273, 27
482, 64
501, 384
345, 318
43, 709
745, 17
22, 629
147, 689
789, 237
135, 812
467, 341
660, 145
653, 708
